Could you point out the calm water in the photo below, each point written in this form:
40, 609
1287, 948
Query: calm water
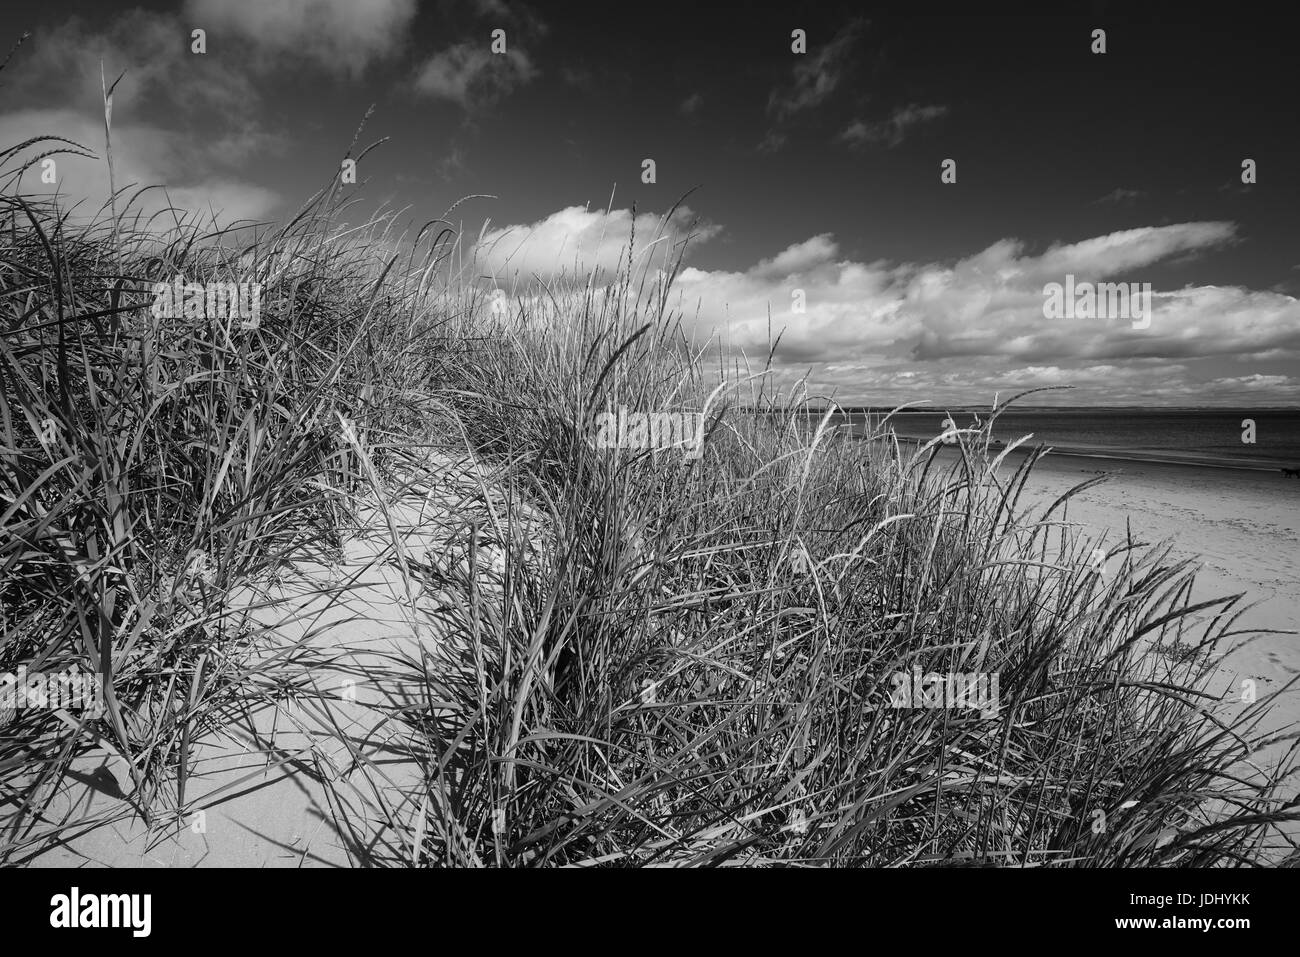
1203, 436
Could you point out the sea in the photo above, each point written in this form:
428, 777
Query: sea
1266, 440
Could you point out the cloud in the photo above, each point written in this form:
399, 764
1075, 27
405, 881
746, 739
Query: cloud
514, 12
143, 155
61, 68
890, 132
343, 36
211, 111
799, 258
691, 105
1105, 256
957, 329
1121, 196
815, 76
470, 75
954, 383
210, 104
577, 239
452, 164
578, 76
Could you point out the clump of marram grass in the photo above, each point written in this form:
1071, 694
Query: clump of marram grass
150, 463
699, 672
695, 668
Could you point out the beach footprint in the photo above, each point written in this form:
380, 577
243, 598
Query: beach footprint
1279, 662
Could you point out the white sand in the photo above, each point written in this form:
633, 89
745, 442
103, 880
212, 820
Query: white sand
1245, 528
347, 635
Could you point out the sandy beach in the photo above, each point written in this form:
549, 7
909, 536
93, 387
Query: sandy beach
1242, 525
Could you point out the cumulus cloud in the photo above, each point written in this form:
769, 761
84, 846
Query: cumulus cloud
1129, 249
470, 75
344, 36
951, 382
955, 331
143, 155
891, 131
798, 258
578, 239
930, 329
925, 330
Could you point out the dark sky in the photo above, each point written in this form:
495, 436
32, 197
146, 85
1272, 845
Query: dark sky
817, 172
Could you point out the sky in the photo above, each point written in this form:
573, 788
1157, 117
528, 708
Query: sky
807, 185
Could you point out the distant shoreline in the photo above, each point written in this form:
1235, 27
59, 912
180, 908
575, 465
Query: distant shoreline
1189, 459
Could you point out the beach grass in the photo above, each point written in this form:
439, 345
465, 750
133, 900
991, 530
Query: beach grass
680, 661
